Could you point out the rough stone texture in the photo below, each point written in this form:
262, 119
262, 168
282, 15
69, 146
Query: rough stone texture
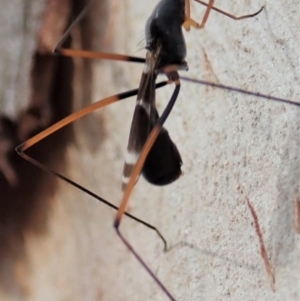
19, 24
233, 146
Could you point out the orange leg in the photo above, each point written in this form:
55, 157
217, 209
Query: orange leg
230, 15
189, 22
136, 172
69, 119
60, 50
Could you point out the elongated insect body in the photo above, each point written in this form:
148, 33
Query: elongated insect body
166, 47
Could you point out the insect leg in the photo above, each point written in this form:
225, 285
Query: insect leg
32, 141
60, 50
135, 173
230, 15
189, 22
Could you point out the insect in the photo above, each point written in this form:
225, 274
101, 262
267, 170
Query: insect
216, 133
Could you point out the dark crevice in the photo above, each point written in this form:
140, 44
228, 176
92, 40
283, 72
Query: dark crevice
26, 191
24, 201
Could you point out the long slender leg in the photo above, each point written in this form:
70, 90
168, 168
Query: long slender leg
73, 24
97, 105
32, 141
189, 22
137, 170
149, 143
60, 50
187, 9
233, 89
98, 55
230, 15
205, 17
